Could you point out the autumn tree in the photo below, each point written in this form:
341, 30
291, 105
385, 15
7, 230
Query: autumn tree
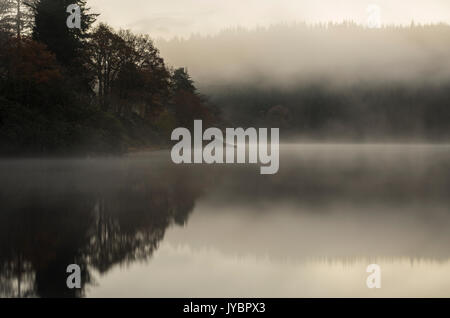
151, 84
108, 53
26, 67
65, 89
187, 102
68, 44
130, 74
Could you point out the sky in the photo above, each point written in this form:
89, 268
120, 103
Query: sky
181, 18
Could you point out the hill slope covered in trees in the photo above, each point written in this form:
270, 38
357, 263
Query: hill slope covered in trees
333, 82
88, 90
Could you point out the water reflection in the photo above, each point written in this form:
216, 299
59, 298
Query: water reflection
330, 207
94, 213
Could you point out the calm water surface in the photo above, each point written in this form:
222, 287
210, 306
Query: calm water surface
140, 226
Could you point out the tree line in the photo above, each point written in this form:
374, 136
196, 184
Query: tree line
328, 82
364, 112
86, 90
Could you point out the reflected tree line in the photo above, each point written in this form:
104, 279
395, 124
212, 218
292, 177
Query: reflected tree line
99, 213
94, 224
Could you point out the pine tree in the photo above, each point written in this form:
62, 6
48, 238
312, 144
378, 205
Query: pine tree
182, 81
51, 28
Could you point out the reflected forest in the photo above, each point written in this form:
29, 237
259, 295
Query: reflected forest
86, 176
95, 214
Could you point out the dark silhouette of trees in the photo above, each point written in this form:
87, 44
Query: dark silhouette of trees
71, 91
333, 81
109, 54
68, 45
98, 90
145, 64
91, 216
188, 104
182, 81
131, 75
50, 28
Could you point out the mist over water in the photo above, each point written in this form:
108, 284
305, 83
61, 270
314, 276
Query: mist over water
364, 168
227, 230
331, 82
289, 55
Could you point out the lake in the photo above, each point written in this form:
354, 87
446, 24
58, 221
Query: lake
140, 226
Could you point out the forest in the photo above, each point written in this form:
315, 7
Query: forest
97, 90
92, 90
326, 82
